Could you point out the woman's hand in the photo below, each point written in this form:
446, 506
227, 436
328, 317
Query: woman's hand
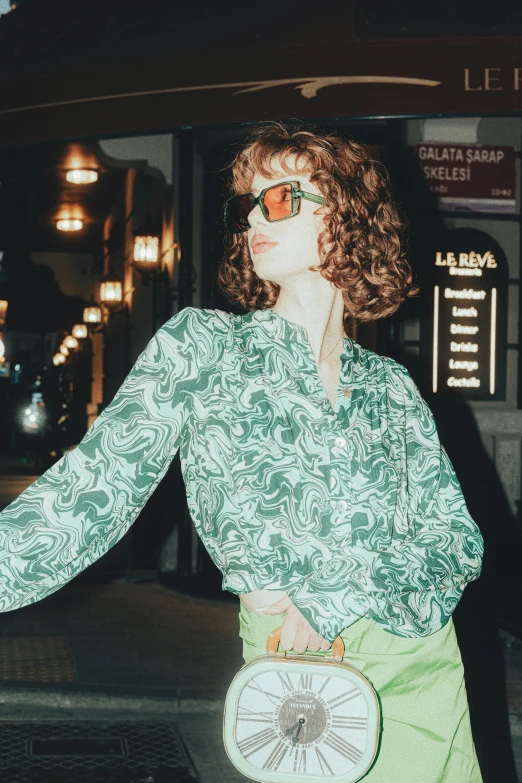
296, 632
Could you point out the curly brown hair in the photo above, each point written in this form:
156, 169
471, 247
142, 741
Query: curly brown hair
362, 247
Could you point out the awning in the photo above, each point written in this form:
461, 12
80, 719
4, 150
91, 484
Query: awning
92, 68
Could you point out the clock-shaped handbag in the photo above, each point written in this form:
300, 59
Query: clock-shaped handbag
291, 717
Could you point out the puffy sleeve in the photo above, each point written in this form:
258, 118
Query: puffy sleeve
411, 588
79, 508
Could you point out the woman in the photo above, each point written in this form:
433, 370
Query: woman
387, 562
313, 468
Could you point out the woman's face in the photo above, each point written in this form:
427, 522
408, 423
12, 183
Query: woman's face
296, 237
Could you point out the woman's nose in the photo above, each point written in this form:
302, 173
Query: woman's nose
256, 217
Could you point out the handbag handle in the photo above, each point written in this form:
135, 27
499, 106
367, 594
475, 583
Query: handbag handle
272, 643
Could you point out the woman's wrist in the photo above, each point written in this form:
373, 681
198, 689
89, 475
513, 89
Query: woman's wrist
257, 600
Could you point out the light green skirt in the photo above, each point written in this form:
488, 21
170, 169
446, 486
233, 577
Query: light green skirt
426, 733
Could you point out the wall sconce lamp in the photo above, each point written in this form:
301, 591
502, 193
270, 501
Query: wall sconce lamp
111, 295
92, 315
71, 342
146, 252
147, 241
3, 311
111, 292
58, 359
80, 330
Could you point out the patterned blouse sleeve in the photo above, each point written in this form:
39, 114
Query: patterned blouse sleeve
78, 509
412, 588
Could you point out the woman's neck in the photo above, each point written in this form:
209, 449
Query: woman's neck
322, 319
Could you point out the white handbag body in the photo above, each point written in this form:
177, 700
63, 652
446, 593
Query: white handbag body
291, 717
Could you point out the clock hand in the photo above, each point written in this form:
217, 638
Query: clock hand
301, 722
290, 730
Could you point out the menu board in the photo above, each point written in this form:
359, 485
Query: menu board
468, 315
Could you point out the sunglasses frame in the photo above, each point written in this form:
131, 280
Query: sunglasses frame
297, 195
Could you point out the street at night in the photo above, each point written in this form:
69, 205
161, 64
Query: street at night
260, 392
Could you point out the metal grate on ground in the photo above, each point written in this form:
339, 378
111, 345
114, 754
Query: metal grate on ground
36, 659
93, 752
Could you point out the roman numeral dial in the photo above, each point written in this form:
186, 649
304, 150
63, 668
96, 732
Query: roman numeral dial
257, 742
276, 757
300, 722
342, 746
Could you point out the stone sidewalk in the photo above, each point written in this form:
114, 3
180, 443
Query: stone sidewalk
125, 651
122, 638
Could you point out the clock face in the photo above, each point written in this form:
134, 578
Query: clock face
302, 724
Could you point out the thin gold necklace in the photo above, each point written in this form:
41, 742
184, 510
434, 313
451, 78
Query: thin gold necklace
331, 352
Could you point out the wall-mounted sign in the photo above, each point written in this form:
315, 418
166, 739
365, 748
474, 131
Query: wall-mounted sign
468, 316
470, 178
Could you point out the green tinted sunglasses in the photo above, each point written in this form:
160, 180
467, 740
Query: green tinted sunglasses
277, 202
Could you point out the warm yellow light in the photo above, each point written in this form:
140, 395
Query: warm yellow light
69, 224
58, 358
79, 331
92, 315
3, 311
71, 342
2, 349
81, 176
146, 249
64, 350
111, 291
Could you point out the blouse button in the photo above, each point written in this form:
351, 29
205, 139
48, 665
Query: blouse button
340, 442
342, 505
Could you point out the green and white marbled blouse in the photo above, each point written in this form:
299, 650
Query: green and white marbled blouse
354, 511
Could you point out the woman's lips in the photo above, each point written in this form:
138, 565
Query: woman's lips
262, 247
260, 244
